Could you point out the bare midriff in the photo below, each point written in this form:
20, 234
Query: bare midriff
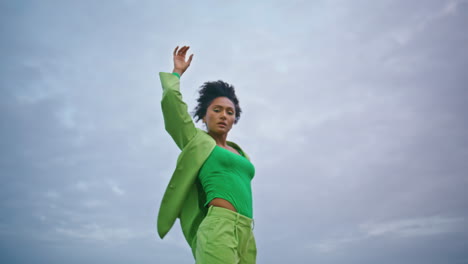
220, 202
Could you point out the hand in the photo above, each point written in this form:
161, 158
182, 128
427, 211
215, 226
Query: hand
180, 65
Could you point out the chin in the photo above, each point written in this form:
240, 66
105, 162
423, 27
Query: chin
220, 131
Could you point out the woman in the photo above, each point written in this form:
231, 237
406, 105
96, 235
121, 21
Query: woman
210, 189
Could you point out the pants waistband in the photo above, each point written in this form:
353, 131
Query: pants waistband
231, 215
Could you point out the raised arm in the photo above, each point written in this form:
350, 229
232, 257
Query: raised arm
177, 121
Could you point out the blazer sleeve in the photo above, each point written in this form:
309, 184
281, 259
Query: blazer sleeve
177, 121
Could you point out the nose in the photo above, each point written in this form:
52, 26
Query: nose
223, 115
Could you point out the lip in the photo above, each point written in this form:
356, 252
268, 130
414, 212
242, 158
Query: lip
222, 124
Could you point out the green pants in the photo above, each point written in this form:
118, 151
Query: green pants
225, 237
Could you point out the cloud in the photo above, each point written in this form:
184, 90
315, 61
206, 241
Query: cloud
93, 203
82, 186
402, 228
67, 117
52, 194
97, 233
452, 7
331, 245
116, 189
414, 227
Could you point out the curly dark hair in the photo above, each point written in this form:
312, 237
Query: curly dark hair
212, 90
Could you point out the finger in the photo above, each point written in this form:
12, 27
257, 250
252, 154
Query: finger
185, 50
175, 51
190, 59
182, 50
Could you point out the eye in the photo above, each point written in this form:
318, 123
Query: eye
230, 112
216, 110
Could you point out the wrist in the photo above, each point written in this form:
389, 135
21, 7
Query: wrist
178, 71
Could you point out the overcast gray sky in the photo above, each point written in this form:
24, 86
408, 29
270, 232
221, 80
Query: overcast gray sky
354, 115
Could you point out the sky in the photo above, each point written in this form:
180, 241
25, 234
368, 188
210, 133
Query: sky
354, 116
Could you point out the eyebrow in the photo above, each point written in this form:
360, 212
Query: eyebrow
223, 106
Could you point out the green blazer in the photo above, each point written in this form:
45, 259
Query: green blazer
184, 196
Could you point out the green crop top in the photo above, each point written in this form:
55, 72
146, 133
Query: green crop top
228, 175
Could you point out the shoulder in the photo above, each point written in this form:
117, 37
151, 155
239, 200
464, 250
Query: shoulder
238, 148
202, 141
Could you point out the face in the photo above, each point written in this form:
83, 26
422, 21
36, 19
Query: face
221, 110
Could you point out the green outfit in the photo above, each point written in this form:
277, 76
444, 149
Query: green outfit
225, 237
227, 175
184, 197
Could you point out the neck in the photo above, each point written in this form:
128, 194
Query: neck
219, 138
